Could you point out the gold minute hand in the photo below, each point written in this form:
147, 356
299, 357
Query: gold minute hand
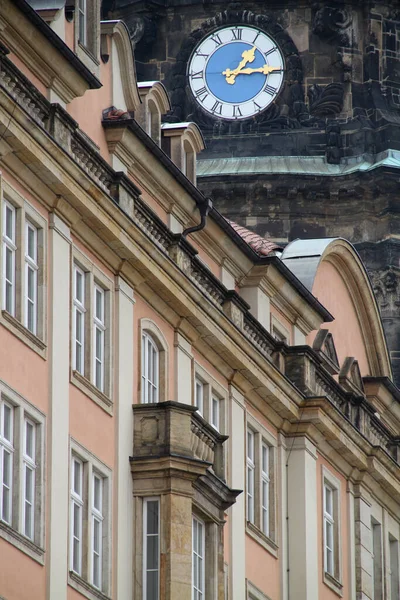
248, 56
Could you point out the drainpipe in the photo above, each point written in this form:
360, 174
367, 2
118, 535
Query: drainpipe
204, 209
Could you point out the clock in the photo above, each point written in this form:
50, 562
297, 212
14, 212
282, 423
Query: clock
235, 72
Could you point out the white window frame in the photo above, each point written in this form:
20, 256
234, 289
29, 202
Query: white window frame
331, 518
212, 391
199, 395
147, 382
6, 449
97, 518
377, 562
214, 411
9, 245
265, 491
29, 465
82, 22
31, 266
99, 328
79, 308
146, 502
393, 567
77, 500
198, 554
84, 581
250, 475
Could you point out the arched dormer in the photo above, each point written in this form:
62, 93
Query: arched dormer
182, 142
333, 271
116, 46
154, 103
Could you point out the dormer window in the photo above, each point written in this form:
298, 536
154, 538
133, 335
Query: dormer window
182, 142
154, 104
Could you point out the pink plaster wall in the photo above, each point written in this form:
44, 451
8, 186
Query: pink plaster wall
325, 592
330, 289
21, 578
144, 310
87, 110
91, 426
262, 569
28, 73
205, 363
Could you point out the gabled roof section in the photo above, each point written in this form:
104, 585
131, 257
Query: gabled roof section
260, 245
325, 348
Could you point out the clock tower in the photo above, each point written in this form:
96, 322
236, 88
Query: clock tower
299, 105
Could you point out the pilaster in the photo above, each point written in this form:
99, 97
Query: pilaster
363, 543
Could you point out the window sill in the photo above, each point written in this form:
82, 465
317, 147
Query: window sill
21, 542
92, 392
84, 588
267, 543
333, 583
23, 334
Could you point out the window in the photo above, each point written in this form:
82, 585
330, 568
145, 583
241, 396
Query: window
91, 331
265, 489
376, 560
215, 412
23, 270
21, 473
79, 320
394, 568
9, 254
82, 22
251, 467
198, 538
151, 549
29, 468
199, 395
150, 369
6, 460
209, 396
329, 530
31, 276
90, 522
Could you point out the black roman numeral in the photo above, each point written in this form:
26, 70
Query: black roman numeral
237, 34
270, 51
201, 54
201, 94
258, 33
236, 111
256, 106
269, 89
217, 108
198, 75
215, 38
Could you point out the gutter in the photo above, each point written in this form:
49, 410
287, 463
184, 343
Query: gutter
203, 202
58, 43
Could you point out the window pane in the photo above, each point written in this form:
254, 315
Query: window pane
7, 422
328, 500
29, 439
31, 245
97, 493
9, 225
96, 571
9, 265
79, 293
96, 535
151, 585
6, 489
77, 478
152, 517
152, 552
99, 296
265, 452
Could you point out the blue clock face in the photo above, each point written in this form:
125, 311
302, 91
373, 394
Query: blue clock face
236, 72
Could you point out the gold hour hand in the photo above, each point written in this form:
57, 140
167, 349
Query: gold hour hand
231, 75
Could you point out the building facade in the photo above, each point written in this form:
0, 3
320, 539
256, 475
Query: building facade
310, 150
187, 411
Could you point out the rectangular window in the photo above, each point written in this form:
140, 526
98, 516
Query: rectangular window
82, 17
265, 489
329, 530
250, 475
376, 560
76, 514
99, 329
150, 369
31, 276
9, 257
215, 412
394, 568
79, 321
198, 533
199, 396
6, 460
151, 549
29, 469
97, 530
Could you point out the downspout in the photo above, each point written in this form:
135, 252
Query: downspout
204, 209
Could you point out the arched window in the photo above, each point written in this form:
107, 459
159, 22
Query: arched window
150, 369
